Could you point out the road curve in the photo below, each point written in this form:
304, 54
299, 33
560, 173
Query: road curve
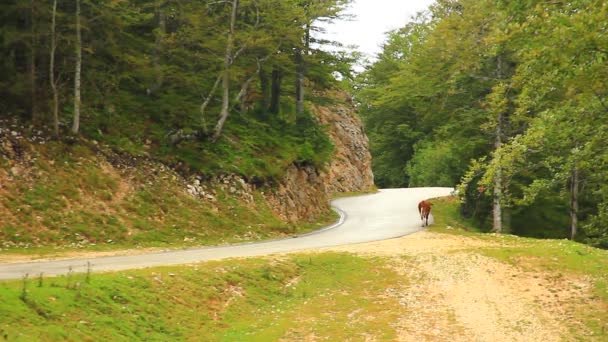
390, 213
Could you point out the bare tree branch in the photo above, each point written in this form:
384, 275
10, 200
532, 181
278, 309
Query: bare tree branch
207, 100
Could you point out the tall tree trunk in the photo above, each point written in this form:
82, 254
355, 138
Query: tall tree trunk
275, 91
52, 73
206, 103
497, 202
32, 62
241, 97
76, 123
300, 71
299, 81
158, 50
574, 191
226, 76
265, 89
498, 192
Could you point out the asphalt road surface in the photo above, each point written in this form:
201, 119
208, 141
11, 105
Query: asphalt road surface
390, 213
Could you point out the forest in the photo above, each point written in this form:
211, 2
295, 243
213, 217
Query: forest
168, 170
217, 86
508, 100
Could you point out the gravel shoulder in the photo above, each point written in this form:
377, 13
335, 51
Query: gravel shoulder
452, 292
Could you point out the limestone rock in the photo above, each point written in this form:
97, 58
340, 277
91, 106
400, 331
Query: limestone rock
304, 191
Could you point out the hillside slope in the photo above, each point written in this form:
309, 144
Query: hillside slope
84, 194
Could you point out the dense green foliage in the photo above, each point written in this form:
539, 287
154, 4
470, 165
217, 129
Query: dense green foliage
507, 99
208, 83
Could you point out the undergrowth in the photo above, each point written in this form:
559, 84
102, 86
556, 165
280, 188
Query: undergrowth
257, 145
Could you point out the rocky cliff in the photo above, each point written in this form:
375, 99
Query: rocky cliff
305, 191
351, 167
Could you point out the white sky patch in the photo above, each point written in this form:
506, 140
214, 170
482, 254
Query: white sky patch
372, 19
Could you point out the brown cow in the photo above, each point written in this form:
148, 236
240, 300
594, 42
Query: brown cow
424, 208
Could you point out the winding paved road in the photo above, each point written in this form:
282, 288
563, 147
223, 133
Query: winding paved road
390, 213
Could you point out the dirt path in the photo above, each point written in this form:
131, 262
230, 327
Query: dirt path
453, 293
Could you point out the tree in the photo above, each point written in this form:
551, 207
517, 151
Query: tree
154, 70
228, 57
517, 87
77, 71
560, 84
52, 80
32, 63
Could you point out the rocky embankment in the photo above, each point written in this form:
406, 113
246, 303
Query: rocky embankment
49, 189
305, 191
351, 167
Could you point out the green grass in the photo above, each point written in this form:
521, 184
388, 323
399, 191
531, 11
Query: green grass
73, 203
185, 222
67, 201
336, 296
447, 218
562, 257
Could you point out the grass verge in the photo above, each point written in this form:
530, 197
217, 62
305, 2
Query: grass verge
337, 296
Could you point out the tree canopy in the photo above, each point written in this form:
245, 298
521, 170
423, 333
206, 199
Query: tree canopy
209, 83
508, 100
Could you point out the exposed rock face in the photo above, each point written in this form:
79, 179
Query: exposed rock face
300, 196
351, 167
304, 192
18, 157
233, 185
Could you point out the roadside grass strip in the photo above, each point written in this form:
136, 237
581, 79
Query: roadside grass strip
334, 295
